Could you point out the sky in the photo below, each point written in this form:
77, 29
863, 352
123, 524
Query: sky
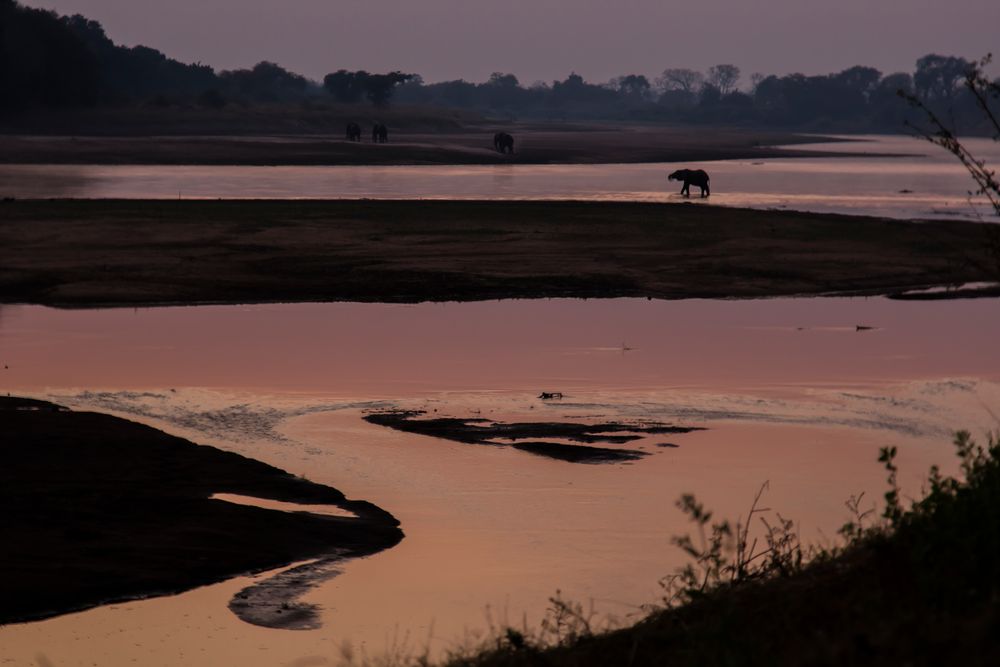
544, 40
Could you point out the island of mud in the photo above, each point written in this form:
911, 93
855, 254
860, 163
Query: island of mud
525, 435
98, 509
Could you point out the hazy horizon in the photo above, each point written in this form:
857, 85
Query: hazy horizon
545, 40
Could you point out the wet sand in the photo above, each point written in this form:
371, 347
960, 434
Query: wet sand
98, 509
535, 144
131, 252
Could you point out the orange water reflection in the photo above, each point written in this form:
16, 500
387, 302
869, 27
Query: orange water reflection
790, 391
392, 350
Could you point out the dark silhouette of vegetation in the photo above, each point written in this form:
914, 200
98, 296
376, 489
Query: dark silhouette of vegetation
351, 87
938, 83
915, 585
266, 82
42, 62
859, 98
50, 61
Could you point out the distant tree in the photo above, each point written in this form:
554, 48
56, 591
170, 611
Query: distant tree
938, 77
379, 88
574, 90
860, 81
502, 80
986, 94
755, 80
42, 61
345, 86
710, 96
139, 72
686, 80
634, 87
724, 77
266, 82
501, 91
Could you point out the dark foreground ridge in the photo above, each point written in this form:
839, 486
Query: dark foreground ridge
106, 253
522, 435
97, 509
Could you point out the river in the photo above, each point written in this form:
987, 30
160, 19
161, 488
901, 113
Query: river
799, 393
921, 182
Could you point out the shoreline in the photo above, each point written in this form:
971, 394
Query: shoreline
123, 513
535, 145
127, 253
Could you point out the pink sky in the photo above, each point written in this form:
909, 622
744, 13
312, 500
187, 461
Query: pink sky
546, 39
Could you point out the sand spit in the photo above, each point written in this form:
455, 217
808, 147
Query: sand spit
99, 509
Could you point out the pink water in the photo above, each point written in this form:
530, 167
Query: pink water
922, 182
789, 390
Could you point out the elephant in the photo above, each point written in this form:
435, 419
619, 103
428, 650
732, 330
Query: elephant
503, 143
380, 133
696, 176
353, 132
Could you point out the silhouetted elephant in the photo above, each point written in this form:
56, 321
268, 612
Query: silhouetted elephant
380, 133
353, 132
503, 143
691, 176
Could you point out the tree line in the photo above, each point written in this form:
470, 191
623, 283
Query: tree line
53, 61
856, 98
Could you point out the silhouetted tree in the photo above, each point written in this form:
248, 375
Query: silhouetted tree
380, 87
502, 80
859, 81
353, 86
631, 86
724, 77
345, 86
42, 62
139, 72
266, 82
686, 80
986, 94
574, 90
938, 77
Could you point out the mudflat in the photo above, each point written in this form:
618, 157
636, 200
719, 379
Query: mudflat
534, 144
131, 252
97, 509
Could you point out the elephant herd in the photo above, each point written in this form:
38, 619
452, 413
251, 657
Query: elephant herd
504, 143
380, 133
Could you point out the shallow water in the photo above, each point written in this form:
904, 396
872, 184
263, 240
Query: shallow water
790, 390
924, 182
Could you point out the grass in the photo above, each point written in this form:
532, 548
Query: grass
918, 584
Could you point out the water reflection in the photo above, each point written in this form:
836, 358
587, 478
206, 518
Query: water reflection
790, 391
923, 182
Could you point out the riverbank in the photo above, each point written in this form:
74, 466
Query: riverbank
98, 509
89, 253
460, 145
916, 586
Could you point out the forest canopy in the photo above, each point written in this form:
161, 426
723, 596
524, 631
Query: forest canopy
60, 62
